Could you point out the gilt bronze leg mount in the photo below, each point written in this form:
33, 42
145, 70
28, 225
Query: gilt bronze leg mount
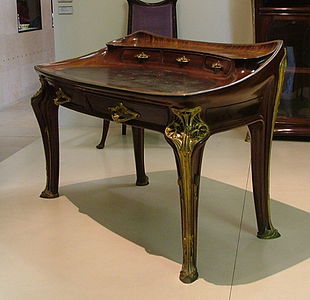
187, 135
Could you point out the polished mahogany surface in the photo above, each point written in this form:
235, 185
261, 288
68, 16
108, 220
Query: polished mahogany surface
117, 67
186, 90
144, 39
142, 80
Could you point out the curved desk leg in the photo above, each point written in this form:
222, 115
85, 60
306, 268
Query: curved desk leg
124, 129
47, 115
138, 142
260, 156
261, 139
187, 136
105, 129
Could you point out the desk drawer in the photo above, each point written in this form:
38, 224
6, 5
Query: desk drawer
186, 61
150, 56
128, 111
70, 98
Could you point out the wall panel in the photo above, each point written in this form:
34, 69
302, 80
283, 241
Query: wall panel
19, 52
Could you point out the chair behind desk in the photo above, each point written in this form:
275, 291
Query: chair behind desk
159, 17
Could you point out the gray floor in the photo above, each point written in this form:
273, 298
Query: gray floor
18, 128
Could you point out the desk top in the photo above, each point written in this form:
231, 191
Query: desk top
137, 79
154, 65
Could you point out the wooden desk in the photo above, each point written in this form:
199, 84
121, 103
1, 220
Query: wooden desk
187, 91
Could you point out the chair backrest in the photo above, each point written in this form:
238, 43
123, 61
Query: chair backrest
159, 17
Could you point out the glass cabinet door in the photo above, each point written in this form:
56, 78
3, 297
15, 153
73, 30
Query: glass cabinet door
295, 100
285, 3
289, 20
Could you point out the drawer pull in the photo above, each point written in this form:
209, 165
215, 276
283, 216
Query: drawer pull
142, 57
217, 66
183, 60
61, 98
121, 114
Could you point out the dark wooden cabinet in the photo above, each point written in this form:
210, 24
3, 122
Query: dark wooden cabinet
289, 20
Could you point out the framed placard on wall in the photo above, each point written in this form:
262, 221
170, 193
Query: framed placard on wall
65, 10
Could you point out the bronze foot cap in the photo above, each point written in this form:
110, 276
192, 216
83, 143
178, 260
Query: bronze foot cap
188, 277
269, 234
100, 146
142, 181
49, 195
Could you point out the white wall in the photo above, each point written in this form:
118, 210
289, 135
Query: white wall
227, 21
95, 22
19, 52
